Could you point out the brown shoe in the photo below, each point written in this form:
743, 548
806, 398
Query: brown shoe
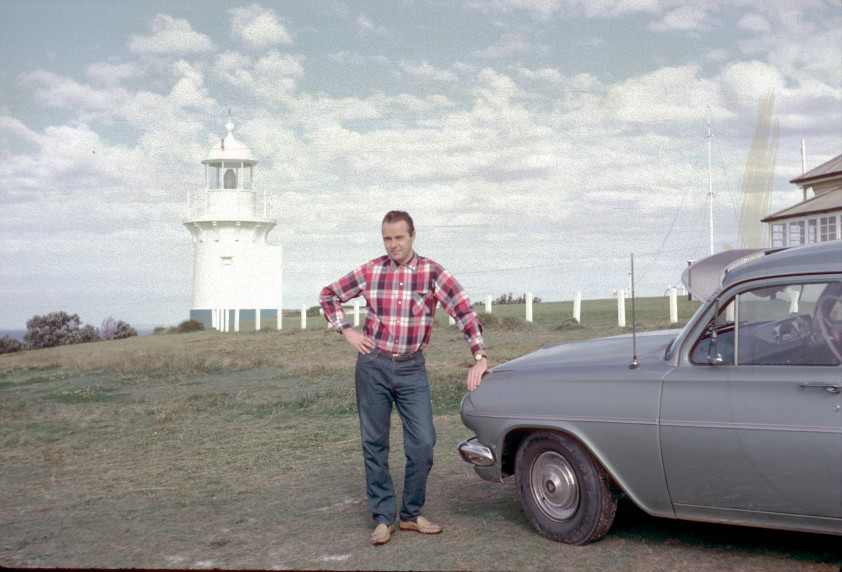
421, 525
382, 534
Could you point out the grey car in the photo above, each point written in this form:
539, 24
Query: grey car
733, 419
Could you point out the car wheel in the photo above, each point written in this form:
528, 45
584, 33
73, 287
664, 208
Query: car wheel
565, 494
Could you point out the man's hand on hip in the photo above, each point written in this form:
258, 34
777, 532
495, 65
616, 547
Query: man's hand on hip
475, 374
361, 343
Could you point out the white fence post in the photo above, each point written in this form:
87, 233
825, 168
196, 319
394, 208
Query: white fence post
280, 318
488, 303
529, 307
621, 308
356, 313
793, 301
236, 319
577, 306
303, 316
673, 305
451, 321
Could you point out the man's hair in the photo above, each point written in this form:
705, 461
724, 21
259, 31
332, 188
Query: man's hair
397, 216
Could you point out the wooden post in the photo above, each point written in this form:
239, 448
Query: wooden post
577, 306
621, 308
529, 307
280, 318
673, 305
303, 316
488, 303
236, 319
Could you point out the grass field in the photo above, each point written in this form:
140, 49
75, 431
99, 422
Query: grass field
241, 451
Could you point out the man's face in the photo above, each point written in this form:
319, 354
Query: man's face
398, 241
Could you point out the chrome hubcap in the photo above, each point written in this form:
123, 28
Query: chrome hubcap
554, 486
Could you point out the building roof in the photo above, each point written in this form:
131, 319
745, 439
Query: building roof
830, 201
230, 149
829, 170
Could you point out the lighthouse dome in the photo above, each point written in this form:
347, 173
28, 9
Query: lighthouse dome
229, 149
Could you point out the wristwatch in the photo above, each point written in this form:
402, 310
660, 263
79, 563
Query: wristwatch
478, 357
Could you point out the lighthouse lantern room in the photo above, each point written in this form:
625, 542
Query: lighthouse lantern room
237, 274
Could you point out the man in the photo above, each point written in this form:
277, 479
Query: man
401, 290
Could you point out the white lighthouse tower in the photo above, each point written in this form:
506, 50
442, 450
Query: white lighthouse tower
237, 275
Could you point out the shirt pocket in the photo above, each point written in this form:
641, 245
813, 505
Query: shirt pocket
419, 302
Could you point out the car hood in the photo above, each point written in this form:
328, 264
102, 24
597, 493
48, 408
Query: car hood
600, 353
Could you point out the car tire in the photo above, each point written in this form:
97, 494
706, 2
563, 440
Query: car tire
565, 493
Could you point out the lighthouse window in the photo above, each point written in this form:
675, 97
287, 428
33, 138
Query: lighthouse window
231, 175
213, 176
230, 179
247, 177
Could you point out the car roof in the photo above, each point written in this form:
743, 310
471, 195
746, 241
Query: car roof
819, 258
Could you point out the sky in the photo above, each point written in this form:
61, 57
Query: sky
536, 143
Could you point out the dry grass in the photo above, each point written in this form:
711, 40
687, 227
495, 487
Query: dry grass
208, 450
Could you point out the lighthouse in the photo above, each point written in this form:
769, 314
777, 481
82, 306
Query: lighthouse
237, 274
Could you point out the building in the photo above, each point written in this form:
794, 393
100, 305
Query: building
237, 275
817, 219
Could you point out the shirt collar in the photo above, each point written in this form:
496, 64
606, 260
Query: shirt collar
412, 264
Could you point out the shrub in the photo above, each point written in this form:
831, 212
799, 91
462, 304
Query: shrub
509, 299
116, 329
190, 326
487, 319
9, 345
55, 329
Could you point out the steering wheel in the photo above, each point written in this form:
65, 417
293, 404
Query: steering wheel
831, 328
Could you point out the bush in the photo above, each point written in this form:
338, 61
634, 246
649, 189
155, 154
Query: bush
190, 326
57, 329
487, 319
116, 329
509, 299
9, 345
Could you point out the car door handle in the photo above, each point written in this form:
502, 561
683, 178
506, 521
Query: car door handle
828, 386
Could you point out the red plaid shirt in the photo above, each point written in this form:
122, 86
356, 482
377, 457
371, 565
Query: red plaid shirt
402, 302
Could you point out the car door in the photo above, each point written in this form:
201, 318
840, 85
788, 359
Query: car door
752, 431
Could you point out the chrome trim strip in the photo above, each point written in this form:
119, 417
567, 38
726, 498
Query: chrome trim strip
751, 426
625, 420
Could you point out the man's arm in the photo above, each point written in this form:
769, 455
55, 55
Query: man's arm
456, 303
331, 299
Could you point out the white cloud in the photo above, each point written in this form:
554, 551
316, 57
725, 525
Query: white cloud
428, 72
754, 23
510, 45
258, 28
170, 36
748, 81
365, 27
108, 74
693, 17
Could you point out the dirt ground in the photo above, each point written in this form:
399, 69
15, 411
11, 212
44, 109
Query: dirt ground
135, 460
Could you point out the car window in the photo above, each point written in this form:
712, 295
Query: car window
716, 344
780, 324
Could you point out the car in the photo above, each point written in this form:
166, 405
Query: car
734, 418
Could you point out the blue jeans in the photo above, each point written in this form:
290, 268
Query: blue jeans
379, 382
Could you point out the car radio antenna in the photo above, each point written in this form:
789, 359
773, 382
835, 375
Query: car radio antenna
634, 363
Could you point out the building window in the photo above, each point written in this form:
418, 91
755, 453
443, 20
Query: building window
812, 225
213, 177
827, 228
796, 233
778, 235
247, 177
